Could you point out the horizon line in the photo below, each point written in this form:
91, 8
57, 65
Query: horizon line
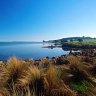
45, 40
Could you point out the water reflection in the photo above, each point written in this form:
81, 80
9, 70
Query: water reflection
28, 50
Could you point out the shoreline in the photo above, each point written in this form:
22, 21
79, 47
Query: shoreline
74, 53
67, 46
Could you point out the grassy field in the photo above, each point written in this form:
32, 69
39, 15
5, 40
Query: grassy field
71, 75
84, 42
93, 41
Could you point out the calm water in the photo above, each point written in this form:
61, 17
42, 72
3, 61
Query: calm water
28, 50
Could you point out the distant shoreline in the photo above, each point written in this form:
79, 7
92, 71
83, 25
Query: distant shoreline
20, 42
72, 47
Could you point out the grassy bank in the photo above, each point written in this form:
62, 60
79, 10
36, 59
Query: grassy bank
84, 42
80, 44
71, 75
74, 43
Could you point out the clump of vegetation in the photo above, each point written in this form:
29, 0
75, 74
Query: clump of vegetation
68, 75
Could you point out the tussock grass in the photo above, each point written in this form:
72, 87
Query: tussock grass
27, 78
55, 85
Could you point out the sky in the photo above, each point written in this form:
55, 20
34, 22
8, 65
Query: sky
37, 20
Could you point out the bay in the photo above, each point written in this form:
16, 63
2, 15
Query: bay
26, 50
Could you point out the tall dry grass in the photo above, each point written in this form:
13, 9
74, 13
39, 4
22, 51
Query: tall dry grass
55, 85
25, 78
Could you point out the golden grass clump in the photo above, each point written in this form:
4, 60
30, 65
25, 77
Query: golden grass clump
73, 60
3, 74
31, 79
79, 71
11, 72
54, 85
52, 76
29, 76
15, 67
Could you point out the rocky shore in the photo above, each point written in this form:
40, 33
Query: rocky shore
60, 60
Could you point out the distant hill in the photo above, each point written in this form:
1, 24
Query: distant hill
70, 38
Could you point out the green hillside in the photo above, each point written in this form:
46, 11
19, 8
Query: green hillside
75, 40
